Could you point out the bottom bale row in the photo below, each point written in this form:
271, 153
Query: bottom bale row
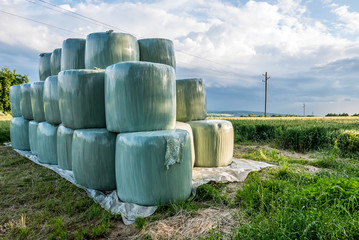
146, 168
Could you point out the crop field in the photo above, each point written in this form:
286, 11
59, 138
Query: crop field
312, 193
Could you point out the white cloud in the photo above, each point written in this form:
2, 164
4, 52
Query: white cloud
350, 19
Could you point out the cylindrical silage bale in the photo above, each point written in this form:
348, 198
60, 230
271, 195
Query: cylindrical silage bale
157, 50
81, 98
213, 141
15, 97
19, 133
187, 127
64, 147
190, 100
106, 48
55, 61
33, 136
153, 167
140, 96
25, 101
73, 54
37, 103
51, 100
93, 158
47, 143
44, 66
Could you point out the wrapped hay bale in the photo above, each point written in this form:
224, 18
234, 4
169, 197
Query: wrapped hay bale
213, 141
15, 97
187, 127
93, 158
157, 50
153, 167
51, 100
44, 66
37, 103
55, 61
190, 100
140, 96
106, 48
73, 54
19, 133
81, 98
46, 143
25, 101
33, 125
64, 147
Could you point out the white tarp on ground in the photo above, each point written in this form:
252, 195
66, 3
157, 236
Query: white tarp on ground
236, 172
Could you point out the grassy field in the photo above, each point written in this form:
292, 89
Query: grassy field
311, 194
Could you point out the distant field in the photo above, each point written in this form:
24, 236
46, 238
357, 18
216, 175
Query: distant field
5, 117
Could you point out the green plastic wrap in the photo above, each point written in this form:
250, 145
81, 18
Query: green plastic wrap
19, 133
47, 143
106, 48
93, 158
15, 97
73, 54
81, 98
191, 100
213, 141
55, 61
44, 66
140, 96
33, 125
187, 127
37, 103
51, 100
64, 147
25, 101
157, 50
153, 167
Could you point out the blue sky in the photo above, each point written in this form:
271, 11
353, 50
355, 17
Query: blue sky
310, 48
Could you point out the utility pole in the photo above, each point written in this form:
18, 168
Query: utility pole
265, 102
304, 109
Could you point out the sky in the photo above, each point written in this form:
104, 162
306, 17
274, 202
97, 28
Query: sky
310, 48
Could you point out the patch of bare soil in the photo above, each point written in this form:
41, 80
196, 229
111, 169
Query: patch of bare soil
294, 155
184, 226
121, 231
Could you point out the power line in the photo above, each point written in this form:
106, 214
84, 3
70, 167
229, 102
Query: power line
49, 25
85, 17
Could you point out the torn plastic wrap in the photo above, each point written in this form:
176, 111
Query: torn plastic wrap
73, 54
25, 101
106, 48
81, 98
190, 100
19, 133
51, 100
140, 96
15, 97
213, 141
187, 127
153, 167
55, 61
37, 103
33, 125
64, 147
47, 143
157, 50
93, 158
44, 66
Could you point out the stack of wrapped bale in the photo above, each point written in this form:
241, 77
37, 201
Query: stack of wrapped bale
213, 138
107, 111
49, 66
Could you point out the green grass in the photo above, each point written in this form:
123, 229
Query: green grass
4, 131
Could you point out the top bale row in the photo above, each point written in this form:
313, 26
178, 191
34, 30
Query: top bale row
102, 49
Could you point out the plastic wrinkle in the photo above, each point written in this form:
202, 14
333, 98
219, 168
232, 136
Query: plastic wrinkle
73, 54
236, 172
15, 96
174, 148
